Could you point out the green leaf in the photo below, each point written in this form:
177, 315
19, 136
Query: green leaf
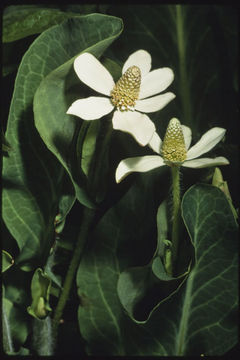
132, 285
218, 181
22, 351
163, 252
15, 318
198, 319
149, 284
62, 86
12, 54
7, 260
89, 145
140, 292
211, 293
5, 145
33, 176
98, 170
15, 328
119, 241
113, 67
66, 202
40, 288
31, 192
162, 224
21, 21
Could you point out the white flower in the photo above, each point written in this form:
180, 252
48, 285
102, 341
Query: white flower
175, 151
130, 96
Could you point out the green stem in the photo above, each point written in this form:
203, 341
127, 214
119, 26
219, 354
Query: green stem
183, 77
42, 337
88, 215
86, 223
176, 212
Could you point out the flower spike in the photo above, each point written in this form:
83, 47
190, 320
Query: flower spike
174, 151
173, 148
126, 91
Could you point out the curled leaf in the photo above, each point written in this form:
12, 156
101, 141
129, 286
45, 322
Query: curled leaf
7, 260
40, 288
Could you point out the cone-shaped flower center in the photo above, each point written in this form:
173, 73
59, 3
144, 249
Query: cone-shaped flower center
173, 147
126, 91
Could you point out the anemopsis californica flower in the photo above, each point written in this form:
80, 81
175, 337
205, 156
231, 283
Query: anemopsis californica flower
174, 151
130, 98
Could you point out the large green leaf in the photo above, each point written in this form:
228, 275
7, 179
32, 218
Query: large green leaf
21, 21
58, 90
211, 295
15, 298
149, 284
119, 241
15, 329
33, 176
141, 291
56, 128
199, 319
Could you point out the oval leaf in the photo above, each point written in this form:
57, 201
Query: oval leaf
33, 176
21, 21
201, 318
56, 128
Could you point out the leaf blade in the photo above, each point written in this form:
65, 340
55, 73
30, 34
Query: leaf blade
33, 176
177, 326
52, 94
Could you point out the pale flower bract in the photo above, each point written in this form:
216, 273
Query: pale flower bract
175, 150
130, 98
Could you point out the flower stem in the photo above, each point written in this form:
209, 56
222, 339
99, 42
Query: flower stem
176, 212
88, 215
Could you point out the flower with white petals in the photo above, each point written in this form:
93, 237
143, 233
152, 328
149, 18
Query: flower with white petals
175, 150
131, 97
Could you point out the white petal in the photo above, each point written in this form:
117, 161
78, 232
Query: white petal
154, 103
187, 133
155, 143
155, 82
140, 58
206, 143
137, 124
206, 162
91, 108
93, 73
137, 164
